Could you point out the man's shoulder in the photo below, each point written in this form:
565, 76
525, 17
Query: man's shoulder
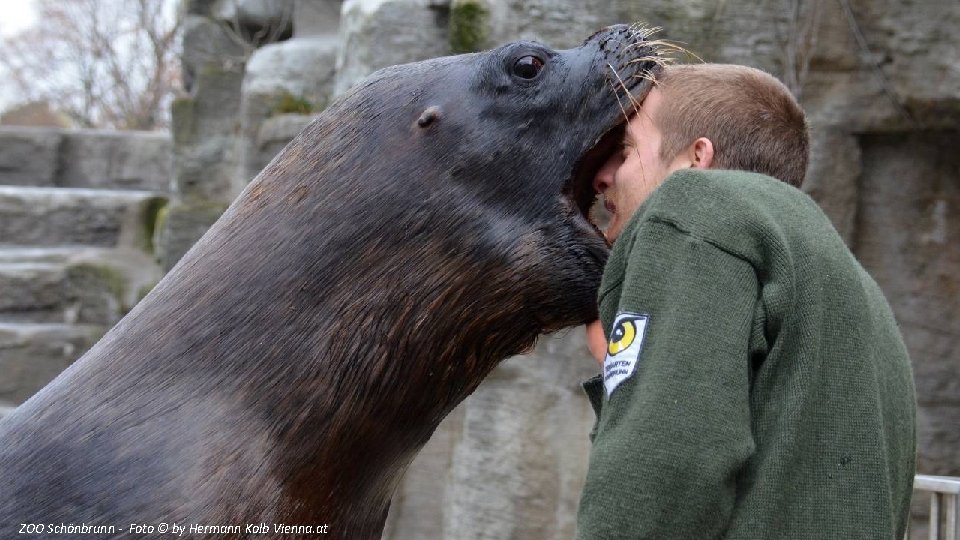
709, 193
738, 211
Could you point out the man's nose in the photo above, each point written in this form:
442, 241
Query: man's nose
605, 175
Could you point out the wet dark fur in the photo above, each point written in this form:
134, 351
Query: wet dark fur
289, 368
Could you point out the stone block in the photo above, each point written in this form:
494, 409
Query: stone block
255, 14
29, 156
852, 101
301, 66
378, 33
470, 25
205, 169
204, 132
939, 447
86, 286
101, 159
32, 291
85, 158
274, 134
294, 76
216, 98
61, 216
281, 129
906, 237
97, 292
559, 25
918, 57
833, 175
31, 355
890, 86
198, 7
316, 17
180, 225
207, 42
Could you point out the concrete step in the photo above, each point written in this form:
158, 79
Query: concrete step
72, 285
86, 158
33, 216
31, 355
34, 291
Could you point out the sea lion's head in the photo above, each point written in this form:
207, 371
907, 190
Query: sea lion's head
442, 206
495, 153
522, 130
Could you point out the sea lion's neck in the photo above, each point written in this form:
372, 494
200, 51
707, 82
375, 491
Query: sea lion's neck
383, 407
354, 375
342, 350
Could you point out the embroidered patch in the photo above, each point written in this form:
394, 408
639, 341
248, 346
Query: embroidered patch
623, 351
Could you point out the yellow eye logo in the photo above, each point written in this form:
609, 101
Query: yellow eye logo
623, 335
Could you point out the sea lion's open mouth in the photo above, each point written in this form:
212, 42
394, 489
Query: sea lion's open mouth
579, 187
633, 61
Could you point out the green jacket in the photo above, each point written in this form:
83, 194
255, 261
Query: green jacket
757, 385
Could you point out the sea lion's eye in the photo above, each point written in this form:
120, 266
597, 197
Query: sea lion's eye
527, 67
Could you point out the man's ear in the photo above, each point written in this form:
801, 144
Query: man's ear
701, 153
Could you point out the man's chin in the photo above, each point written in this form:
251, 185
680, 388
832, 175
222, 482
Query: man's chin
612, 232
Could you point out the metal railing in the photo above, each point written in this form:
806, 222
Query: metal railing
944, 505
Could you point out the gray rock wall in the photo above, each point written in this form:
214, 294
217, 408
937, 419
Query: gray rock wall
78, 212
205, 122
380, 33
906, 232
85, 158
285, 84
907, 235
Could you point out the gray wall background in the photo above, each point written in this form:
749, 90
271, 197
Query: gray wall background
880, 82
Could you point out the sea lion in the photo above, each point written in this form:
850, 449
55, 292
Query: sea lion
424, 227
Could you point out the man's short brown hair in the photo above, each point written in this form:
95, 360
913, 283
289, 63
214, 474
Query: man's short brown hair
751, 118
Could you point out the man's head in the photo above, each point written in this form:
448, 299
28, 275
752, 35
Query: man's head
705, 116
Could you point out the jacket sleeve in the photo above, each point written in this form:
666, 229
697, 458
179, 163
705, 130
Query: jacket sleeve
674, 434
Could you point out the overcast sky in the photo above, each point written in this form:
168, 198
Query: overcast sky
16, 15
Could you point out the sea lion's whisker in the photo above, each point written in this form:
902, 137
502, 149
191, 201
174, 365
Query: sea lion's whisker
658, 60
645, 75
626, 117
636, 104
667, 47
641, 27
643, 33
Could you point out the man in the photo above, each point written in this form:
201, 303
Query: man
755, 384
